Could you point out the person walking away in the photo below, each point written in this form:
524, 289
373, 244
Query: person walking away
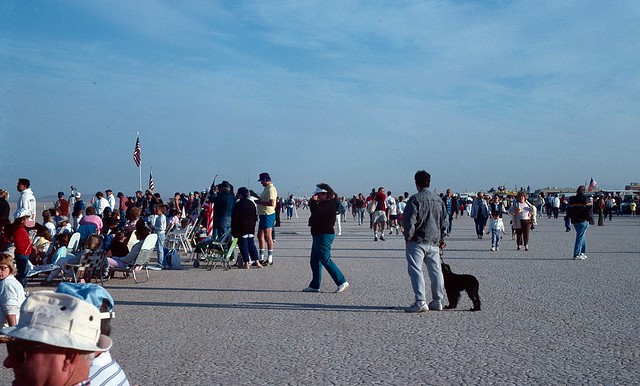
379, 216
423, 223
323, 205
480, 213
579, 211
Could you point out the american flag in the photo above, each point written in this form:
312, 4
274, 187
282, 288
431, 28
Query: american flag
592, 185
208, 214
137, 156
208, 208
151, 184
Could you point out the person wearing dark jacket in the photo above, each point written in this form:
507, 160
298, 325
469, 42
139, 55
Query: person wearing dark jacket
223, 202
243, 227
323, 206
579, 211
4, 205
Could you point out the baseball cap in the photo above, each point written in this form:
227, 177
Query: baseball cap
264, 177
318, 190
60, 194
91, 293
60, 320
78, 194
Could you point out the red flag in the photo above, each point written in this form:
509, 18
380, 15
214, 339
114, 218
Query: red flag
137, 155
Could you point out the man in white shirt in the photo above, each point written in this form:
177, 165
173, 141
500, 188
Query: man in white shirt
111, 199
27, 200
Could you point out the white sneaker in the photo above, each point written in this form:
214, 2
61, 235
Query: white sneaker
497, 249
493, 249
342, 287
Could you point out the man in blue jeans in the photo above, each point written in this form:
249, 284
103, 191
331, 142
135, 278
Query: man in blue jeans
424, 226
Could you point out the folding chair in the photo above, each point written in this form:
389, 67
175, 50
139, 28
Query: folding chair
141, 262
180, 239
133, 239
219, 251
74, 243
90, 267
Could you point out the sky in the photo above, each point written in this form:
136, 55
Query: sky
357, 94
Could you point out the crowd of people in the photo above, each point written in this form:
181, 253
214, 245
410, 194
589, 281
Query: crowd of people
81, 354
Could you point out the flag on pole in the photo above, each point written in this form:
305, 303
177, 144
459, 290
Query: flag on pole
151, 184
592, 185
208, 208
137, 155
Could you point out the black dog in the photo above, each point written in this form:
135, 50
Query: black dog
454, 284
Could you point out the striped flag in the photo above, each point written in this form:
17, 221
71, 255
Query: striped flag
137, 156
592, 185
151, 184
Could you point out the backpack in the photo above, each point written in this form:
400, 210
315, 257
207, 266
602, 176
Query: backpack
371, 206
173, 259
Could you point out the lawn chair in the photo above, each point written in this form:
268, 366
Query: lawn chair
141, 262
218, 251
74, 243
90, 267
133, 239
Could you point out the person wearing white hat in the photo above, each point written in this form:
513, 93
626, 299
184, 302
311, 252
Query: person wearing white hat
55, 340
104, 369
323, 205
78, 210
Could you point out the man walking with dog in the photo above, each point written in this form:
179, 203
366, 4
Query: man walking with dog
424, 228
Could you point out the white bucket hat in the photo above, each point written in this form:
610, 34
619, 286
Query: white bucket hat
22, 212
60, 320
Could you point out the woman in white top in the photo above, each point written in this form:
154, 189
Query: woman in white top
11, 292
523, 213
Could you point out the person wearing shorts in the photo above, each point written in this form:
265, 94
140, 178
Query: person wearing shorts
267, 216
379, 216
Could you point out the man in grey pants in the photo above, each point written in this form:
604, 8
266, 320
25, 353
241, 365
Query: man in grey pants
423, 221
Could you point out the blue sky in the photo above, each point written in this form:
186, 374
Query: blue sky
355, 94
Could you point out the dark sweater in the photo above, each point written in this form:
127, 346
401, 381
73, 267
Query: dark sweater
323, 216
243, 218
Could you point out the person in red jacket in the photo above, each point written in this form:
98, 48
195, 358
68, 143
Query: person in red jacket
22, 243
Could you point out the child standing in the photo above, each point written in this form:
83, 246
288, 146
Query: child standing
160, 228
497, 226
495, 223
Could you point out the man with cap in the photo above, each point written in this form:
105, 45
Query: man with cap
78, 210
62, 205
104, 370
267, 216
27, 201
55, 340
223, 203
111, 199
